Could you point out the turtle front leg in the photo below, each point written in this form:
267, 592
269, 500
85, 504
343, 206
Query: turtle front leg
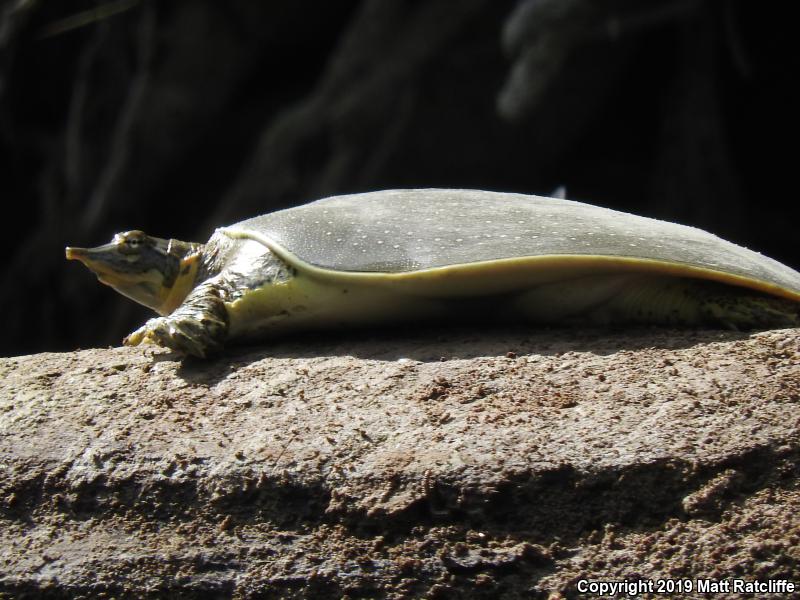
198, 327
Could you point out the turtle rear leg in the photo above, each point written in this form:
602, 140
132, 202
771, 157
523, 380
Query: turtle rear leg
655, 300
695, 302
198, 327
749, 310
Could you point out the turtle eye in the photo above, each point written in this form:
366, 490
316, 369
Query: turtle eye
132, 241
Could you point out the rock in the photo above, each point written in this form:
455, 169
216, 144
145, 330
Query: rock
484, 464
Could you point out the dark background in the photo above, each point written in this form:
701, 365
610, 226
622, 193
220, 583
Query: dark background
176, 117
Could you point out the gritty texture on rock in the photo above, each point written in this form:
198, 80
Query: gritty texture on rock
444, 464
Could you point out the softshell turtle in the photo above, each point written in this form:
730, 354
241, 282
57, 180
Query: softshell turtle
409, 254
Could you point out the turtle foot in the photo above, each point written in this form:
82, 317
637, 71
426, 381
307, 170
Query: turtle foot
198, 327
181, 335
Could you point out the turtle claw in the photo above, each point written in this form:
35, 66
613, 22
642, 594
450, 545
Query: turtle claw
180, 336
137, 337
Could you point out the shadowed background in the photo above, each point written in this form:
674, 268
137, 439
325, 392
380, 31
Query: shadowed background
177, 117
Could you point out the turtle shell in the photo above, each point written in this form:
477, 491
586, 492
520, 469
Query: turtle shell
407, 231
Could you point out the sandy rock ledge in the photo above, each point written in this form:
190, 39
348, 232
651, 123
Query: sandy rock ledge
445, 464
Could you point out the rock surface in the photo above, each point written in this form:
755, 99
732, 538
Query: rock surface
450, 464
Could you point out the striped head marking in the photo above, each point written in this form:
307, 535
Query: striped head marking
152, 271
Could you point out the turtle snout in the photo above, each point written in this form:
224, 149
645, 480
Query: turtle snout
76, 253
100, 260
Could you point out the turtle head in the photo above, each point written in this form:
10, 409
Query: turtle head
149, 270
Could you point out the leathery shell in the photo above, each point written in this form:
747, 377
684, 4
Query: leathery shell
404, 231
